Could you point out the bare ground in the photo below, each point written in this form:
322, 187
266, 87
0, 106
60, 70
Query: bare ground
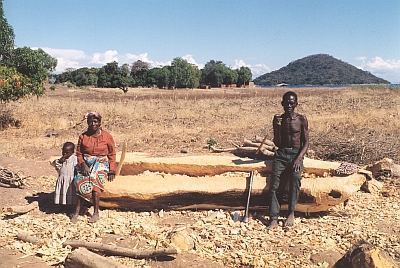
346, 125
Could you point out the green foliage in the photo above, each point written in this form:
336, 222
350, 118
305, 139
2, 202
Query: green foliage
216, 73
320, 69
35, 64
159, 77
184, 74
244, 76
111, 75
80, 77
139, 72
6, 37
14, 85
211, 142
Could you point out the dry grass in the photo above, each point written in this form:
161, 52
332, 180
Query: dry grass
345, 124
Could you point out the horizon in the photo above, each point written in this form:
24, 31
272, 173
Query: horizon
266, 38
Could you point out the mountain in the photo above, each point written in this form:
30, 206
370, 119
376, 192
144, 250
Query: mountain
319, 69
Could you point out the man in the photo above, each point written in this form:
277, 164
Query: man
291, 138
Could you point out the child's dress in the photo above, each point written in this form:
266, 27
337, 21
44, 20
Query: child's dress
65, 193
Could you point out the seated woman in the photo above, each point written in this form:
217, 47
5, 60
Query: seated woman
96, 163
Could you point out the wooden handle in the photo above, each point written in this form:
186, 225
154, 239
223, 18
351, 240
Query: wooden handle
121, 160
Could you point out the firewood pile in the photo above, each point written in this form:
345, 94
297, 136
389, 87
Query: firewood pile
256, 148
11, 179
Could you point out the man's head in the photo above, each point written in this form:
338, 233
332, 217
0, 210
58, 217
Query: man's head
68, 149
289, 102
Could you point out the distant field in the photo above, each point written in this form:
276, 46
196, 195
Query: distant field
358, 124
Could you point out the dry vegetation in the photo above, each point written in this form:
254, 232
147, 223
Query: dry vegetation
357, 125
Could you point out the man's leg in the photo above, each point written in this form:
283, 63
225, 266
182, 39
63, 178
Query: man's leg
96, 201
274, 207
294, 190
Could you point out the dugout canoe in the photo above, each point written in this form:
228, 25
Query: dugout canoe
218, 181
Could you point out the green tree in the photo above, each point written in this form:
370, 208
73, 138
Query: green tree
14, 85
35, 64
214, 73
184, 74
6, 37
111, 75
230, 76
161, 77
139, 73
244, 76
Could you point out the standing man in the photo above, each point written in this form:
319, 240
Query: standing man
291, 138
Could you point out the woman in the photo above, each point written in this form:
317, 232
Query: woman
96, 163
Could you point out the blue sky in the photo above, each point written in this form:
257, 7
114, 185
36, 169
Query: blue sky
263, 35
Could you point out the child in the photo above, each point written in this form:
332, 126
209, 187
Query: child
65, 166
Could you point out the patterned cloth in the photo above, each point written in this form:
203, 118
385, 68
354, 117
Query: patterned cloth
345, 169
99, 168
65, 188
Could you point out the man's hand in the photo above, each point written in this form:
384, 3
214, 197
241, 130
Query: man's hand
111, 176
85, 170
296, 165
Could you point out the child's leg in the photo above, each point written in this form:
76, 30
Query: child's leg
74, 217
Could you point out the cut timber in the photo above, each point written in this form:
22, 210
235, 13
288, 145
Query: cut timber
83, 258
150, 191
120, 251
21, 209
211, 164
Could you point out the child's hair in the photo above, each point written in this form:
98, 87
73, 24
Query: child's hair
69, 144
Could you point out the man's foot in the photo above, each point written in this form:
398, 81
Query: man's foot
273, 224
94, 218
290, 220
74, 218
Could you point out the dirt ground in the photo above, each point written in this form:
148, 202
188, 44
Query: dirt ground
318, 240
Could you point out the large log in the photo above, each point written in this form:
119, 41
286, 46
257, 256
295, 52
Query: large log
83, 258
121, 251
207, 182
211, 164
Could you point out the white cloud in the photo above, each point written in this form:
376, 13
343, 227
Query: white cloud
388, 69
256, 69
105, 57
142, 57
67, 58
191, 60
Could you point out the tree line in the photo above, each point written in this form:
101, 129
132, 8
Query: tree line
179, 74
23, 71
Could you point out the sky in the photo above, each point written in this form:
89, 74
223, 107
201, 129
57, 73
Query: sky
263, 35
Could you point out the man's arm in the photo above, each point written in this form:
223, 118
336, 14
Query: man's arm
276, 124
304, 142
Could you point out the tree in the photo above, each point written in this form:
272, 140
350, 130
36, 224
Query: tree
161, 77
244, 76
230, 76
214, 73
13, 85
184, 74
139, 72
111, 75
6, 37
35, 64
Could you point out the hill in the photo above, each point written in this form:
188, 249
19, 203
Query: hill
320, 69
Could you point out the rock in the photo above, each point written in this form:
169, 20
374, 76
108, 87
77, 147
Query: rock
161, 213
372, 186
182, 240
327, 256
184, 151
385, 167
365, 255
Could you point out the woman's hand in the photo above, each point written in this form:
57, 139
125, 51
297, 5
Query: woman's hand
85, 169
111, 176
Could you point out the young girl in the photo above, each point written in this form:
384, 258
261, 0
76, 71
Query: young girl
65, 193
